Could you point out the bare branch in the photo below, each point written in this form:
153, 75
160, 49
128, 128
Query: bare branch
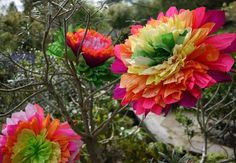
100, 89
100, 128
21, 87
214, 95
24, 101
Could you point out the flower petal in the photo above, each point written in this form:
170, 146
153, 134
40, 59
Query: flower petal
224, 63
216, 16
198, 16
171, 11
219, 76
118, 67
223, 42
119, 93
188, 100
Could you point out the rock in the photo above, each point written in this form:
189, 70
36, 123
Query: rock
169, 131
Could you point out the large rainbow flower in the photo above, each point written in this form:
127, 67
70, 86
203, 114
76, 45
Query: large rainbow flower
170, 59
96, 48
30, 137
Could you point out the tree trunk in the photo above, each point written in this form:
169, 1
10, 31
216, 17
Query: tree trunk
94, 150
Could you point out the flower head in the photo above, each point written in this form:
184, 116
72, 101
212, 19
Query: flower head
96, 48
30, 137
170, 59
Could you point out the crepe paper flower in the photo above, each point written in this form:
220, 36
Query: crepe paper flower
96, 48
172, 58
31, 137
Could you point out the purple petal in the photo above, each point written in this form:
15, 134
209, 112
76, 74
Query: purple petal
94, 61
188, 100
219, 76
119, 93
231, 48
118, 67
217, 17
167, 109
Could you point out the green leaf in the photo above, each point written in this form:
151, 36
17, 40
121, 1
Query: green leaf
168, 40
140, 52
181, 37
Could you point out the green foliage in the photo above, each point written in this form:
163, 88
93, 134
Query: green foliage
186, 122
97, 75
215, 157
57, 47
120, 15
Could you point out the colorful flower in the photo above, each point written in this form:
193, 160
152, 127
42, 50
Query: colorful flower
170, 59
30, 137
96, 48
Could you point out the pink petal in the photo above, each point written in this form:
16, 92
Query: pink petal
181, 10
224, 63
39, 110
215, 16
219, 76
20, 115
196, 92
30, 110
231, 48
223, 42
3, 140
171, 11
148, 103
188, 100
198, 15
135, 28
119, 93
157, 109
117, 51
191, 83
138, 107
9, 130
160, 15
169, 100
203, 80
118, 67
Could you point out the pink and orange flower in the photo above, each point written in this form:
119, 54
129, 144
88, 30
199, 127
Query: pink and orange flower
31, 137
170, 59
96, 48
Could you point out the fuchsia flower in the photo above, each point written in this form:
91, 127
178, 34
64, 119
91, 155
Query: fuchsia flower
170, 59
30, 137
96, 48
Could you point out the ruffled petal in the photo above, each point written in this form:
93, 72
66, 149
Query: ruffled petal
219, 76
119, 93
188, 100
171, 11
224, 63
135, 28
118, 67
215, 16
223, 42
198, 17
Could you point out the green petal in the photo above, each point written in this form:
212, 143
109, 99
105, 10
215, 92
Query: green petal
30, 148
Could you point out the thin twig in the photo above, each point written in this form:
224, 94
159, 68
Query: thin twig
100, 89
100, 128
21, 87
20, 104
217, 90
